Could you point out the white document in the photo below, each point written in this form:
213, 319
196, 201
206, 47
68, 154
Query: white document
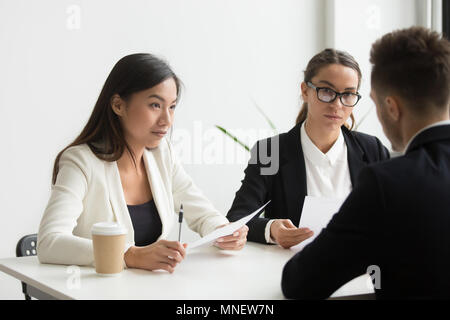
225, 230
317, 212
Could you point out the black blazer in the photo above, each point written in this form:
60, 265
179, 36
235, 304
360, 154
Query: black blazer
396, 218
287, 188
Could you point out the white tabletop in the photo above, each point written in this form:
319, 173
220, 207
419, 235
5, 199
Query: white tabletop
206, 273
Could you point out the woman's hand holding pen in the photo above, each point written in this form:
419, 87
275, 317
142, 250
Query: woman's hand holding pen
236, 241
161, 255
286, 234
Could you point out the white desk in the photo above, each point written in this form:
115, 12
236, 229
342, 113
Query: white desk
206, 273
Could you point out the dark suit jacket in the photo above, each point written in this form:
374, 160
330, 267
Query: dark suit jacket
396, 218
287, 188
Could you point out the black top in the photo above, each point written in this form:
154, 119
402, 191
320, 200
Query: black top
146, 223
397, 218
286, 184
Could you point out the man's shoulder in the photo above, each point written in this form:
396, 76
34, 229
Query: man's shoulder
396, 172
390, 166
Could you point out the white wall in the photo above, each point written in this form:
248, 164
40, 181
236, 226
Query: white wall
56, 54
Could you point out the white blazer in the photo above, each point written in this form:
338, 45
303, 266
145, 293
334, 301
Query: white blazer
88, 190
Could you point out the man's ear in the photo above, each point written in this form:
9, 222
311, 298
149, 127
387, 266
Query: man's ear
117, 105
393, 108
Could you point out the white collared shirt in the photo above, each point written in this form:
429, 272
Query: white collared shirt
327, 174
439, 123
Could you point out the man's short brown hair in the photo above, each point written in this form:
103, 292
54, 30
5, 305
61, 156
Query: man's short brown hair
413, 63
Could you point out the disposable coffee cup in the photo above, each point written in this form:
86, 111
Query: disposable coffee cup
108, 239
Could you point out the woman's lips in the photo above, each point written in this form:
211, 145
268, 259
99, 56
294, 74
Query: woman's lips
159, 133
333, 117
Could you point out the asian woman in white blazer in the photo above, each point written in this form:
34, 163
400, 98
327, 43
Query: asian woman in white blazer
122, 163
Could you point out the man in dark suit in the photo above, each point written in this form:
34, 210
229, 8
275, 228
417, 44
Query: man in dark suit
396, 221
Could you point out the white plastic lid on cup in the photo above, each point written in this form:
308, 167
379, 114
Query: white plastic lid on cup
108, 229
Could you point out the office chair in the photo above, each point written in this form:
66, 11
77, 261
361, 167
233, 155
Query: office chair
26, 247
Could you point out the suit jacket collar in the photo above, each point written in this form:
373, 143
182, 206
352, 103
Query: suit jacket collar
118, 202
293, 171
356, 156
117, 198
159, 192
431, 134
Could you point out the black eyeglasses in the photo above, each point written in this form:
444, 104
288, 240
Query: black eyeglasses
325, 94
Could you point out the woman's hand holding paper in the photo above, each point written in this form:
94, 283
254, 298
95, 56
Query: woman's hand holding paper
236, 241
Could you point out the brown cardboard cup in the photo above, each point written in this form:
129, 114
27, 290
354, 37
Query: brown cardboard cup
108, 239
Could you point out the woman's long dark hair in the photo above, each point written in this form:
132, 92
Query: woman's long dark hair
103, 132
323, 59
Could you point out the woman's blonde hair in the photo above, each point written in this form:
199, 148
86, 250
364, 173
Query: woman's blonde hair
320, 60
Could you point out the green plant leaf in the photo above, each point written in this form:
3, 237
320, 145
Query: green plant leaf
233, 137
271, 124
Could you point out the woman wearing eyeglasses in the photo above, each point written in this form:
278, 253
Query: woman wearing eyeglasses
321, 156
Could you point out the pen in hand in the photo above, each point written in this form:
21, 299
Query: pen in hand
180, 220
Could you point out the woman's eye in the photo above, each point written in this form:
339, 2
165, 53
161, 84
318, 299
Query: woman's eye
154, 105
173, 107
326, 93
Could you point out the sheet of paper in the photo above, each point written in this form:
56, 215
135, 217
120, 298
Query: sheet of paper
225, 230
317, 212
